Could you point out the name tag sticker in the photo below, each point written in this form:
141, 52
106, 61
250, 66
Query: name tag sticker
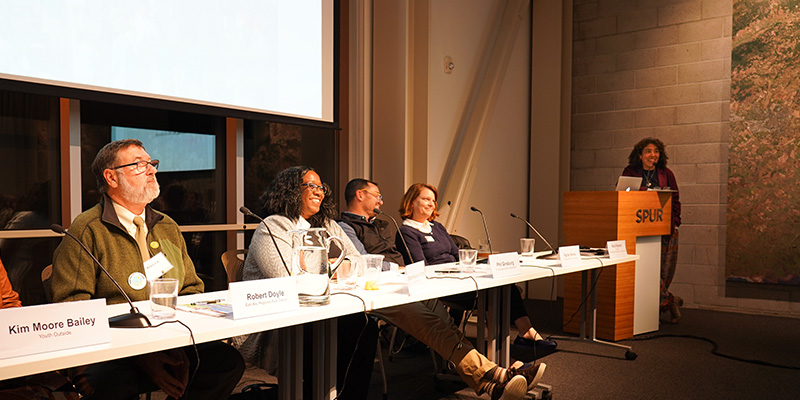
416, 277
616, 249
156, 266
430, 238
51, 327
570, 256
504, 264
263, 296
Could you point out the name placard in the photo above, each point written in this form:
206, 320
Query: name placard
416, 277
50, 327
263, 296
616, 249
570, 256
504, 264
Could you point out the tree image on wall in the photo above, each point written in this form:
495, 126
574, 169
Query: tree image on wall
763, 231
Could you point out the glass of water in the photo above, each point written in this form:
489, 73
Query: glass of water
163, 297
467, 259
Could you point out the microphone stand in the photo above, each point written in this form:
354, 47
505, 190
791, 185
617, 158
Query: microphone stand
485, 228
246, 211
134, 319
553, 251
402, 239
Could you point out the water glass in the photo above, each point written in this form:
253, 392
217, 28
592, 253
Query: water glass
467, 259
163, 297
526, 246
347, 274
373, 264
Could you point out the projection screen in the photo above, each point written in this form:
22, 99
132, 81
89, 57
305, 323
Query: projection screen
263, 56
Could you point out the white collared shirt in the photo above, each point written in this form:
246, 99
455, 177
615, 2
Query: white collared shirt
125, 217
424, 227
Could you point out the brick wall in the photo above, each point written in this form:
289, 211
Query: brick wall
661, 68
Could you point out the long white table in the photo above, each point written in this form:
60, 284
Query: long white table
131, 342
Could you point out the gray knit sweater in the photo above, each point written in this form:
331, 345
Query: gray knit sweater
263, 260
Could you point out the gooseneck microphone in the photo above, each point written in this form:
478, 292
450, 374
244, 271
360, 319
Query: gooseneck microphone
246, 211
133, 319
378, 211
553, 251
486, 229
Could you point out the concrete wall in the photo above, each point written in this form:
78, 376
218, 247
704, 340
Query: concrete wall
662, 69
415, 127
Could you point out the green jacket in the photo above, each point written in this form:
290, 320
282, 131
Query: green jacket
77, 277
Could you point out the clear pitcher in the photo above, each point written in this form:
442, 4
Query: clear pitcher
311, 266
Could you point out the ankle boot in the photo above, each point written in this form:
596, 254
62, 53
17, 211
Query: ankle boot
675, 309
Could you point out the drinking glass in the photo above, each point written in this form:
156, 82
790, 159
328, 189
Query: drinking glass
467, 259
526, 246
163, 297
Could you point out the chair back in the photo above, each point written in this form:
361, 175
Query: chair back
461, 242
233, 261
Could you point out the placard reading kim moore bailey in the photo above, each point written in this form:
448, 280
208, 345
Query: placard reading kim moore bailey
50, 327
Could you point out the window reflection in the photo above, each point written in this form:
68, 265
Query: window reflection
30, 190
271, 147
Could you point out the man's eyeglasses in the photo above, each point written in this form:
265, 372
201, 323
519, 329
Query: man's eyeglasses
314, 186
141, 166
377, 195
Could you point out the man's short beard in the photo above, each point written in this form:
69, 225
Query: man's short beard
133, 195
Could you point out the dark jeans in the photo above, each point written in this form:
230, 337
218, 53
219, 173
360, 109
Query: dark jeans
221, 367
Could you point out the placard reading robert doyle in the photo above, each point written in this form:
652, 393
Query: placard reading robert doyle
49, 327
263, 296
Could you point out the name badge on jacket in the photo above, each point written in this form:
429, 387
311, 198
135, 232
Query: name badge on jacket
430, 238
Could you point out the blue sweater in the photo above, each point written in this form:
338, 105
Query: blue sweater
436, 247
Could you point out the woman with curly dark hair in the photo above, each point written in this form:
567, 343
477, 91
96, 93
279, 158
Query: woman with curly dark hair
297, 199
648, 160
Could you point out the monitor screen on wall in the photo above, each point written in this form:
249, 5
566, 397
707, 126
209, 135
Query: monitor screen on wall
263, 56
175, 151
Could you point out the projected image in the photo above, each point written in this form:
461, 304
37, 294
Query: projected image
177, 151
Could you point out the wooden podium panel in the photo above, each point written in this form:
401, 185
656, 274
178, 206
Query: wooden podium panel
592, 219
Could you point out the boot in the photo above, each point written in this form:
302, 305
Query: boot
675, 309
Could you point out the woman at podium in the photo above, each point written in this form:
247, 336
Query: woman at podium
648, 160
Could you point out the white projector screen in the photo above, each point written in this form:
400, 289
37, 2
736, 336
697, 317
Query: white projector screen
266, 56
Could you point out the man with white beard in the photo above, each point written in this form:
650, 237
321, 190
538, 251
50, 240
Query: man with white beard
123, 232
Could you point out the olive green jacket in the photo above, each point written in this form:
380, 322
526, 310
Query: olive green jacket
77, 277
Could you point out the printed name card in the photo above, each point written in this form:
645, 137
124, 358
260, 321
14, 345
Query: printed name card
50, 327
570, 256
416, 277
616, 249
504, 264
263, 296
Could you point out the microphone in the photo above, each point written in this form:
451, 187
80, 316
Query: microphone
378, 211
246, 211
134, 319
485, 228
553, 251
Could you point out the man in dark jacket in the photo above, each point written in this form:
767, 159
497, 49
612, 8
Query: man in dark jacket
368, 233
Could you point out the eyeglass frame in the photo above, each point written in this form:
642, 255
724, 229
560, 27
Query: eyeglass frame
139, 170
314, 186
377, 195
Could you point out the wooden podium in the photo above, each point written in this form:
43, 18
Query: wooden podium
593, 218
